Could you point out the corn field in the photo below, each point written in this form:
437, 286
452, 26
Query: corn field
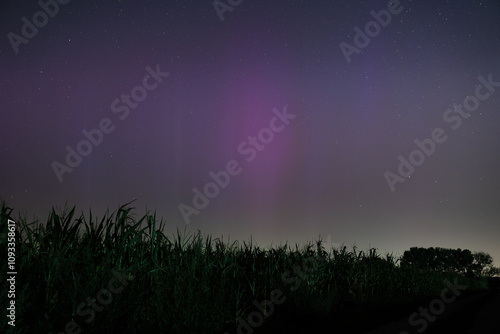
187, 283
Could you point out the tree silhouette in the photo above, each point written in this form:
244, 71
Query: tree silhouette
452, 260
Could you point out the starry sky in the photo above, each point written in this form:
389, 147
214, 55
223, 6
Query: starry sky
372, 123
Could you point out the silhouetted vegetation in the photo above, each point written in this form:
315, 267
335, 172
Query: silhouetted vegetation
453, 260
187, 283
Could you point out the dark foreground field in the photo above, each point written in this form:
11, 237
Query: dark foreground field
474, 316
472, 313
478, 313
78, 274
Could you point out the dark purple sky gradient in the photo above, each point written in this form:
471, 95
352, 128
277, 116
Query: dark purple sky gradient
323, 174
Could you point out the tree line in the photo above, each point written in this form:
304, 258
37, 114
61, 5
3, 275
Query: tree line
465, 262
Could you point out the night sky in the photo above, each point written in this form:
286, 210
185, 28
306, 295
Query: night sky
292, 119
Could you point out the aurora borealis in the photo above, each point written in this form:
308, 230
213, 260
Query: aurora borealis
158, 99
